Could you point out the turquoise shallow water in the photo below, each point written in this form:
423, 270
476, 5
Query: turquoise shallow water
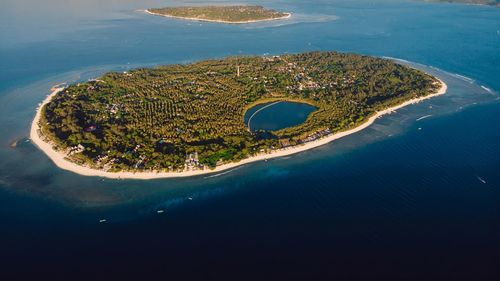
416, 195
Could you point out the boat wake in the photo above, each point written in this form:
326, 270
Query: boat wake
465, 78
480, 179
220, 174
487, 89
423, 117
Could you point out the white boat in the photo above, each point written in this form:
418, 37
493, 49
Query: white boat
103, 220
190, 198
160, 211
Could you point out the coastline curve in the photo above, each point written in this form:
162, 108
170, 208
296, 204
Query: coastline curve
59, 158
286, 16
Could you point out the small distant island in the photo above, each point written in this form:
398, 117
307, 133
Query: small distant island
474, 2
222, 14
186, 120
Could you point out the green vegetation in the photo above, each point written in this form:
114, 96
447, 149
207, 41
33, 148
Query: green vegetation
478, 2
231, 14
171, 117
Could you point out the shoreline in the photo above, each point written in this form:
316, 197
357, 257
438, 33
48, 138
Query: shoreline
288, 15
59, 158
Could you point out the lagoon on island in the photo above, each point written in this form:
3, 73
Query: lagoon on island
413, 196
277, 115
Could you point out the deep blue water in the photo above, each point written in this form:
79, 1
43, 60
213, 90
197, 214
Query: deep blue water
403, 199
277, 115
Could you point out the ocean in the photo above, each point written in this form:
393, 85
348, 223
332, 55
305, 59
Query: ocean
414, 196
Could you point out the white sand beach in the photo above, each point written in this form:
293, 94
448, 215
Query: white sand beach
59, 158
288, 15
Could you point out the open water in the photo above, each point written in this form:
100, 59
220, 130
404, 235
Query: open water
415, 196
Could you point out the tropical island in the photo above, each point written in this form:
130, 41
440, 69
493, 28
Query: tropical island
184, 120
222, 14
474, 2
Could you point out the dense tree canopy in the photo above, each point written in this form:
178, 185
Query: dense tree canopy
230, 14
156, 118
